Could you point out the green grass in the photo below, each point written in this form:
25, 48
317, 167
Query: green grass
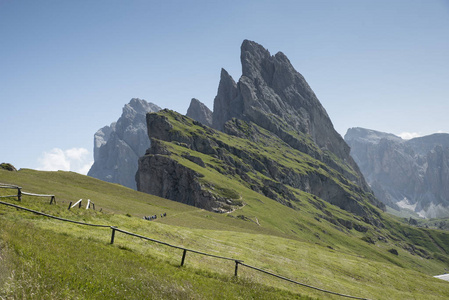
60, 266
68, 261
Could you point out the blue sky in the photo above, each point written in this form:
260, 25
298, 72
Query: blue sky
68, 67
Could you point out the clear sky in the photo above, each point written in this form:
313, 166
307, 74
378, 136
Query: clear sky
67, 68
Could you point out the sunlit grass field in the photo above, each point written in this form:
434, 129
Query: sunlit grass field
43, 258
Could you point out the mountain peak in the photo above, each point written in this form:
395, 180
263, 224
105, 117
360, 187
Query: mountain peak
273, 95
404, 173
117, 147
252, 57
226, 104
369, 135
199, 112
271, 99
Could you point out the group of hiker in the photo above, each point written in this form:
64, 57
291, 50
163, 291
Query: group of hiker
154, 217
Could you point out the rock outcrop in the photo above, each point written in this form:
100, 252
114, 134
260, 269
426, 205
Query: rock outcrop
412, 174
276, 136
250, 151
8, 167
273, 95
199, 112
118, 147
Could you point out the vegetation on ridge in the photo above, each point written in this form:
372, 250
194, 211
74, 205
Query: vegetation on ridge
260, 160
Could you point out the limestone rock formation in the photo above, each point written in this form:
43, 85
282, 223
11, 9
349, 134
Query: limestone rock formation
412, 174
199, 112
249, 150
271, 108
118, 147
273, 95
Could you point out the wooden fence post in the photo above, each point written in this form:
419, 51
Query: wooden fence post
236, 268
183, 257
76, 203
70, 204
113, 234
19, 194
52, 199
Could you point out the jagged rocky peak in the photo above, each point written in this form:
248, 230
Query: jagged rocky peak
199, 112
247, 154
117, 147
270, 106
404, 174
273, 95
271, 91
101, 137
227, 104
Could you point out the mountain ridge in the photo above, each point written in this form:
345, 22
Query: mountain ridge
261, 118
117, 147
405, 173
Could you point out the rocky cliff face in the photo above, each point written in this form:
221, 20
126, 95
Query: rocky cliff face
199, 112
275, 136
251, 155
273, 95
411, 174
118, 147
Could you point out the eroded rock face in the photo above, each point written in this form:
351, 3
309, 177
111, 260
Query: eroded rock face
271, 103
273, 95
163, 176
199, 112
160, 172
405, 173
118, 147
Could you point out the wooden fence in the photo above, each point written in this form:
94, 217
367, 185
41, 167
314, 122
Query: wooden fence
20, 193
184, 252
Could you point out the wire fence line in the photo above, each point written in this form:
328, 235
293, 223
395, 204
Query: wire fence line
299, 283
53, 217
185, 250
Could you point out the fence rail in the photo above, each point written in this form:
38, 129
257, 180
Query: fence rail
302, 284
37, 195
53, 217
20, 192
185, 250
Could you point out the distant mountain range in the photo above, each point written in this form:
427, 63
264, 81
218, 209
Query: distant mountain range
117, 147
272, 97
405, 174
269, 132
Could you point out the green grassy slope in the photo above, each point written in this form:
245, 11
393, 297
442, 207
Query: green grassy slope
308, 217
71, 261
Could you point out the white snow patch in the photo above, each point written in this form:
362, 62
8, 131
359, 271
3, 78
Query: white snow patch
404, 203
444, 277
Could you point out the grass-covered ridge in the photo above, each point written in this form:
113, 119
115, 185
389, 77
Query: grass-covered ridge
261, 161
70, 261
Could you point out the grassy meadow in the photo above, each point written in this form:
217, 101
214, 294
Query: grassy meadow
43, 258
